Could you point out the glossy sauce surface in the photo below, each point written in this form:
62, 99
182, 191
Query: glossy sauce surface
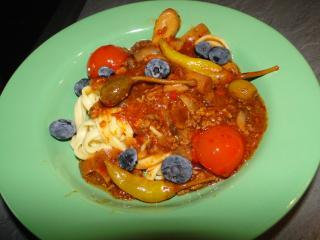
178, 116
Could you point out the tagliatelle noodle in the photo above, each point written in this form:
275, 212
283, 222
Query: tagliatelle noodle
213, 40
92, 136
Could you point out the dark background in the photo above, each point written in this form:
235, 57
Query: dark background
25, 25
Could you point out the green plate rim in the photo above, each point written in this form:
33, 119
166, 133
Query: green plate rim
16, 80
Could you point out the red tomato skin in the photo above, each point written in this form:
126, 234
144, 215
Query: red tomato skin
195, 141
173, 95
108, 55
219, 149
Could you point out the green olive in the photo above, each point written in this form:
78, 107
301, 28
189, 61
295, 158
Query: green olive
115, 90
242, 89
118, 87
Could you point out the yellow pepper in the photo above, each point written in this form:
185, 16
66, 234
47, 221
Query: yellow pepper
140, 187
148, 190
202, 66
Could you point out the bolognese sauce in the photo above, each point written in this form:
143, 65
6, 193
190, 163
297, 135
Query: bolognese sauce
168, 116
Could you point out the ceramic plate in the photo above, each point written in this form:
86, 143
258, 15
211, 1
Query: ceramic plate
40, 180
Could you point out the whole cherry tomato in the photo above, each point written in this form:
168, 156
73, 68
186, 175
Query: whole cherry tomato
106, 56
220, 149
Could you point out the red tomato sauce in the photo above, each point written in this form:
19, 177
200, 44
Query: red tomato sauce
180, 116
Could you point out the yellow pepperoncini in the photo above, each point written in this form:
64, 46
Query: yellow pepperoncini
148, 190
202, 66
140, 187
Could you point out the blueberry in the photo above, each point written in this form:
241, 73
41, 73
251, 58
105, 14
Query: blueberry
176, 169
79, 85
219, 55
105, 72
62, 129
202, 49
128, 159
157, 68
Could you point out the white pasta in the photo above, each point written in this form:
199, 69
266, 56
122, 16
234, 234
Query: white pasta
213, 40
106, 132
94, 135
155, 132
86, 142
152, 160
114, 131
151, 172
159, 175
93, 141
89, 97
83, 105
79, 113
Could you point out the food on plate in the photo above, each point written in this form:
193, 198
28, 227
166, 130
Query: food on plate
62, 129
78, 86
106, 60
167, 116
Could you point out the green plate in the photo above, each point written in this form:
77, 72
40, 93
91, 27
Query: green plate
39, 177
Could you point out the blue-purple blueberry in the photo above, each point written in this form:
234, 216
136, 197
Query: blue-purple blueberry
78, 86
157, 68
62, 129
128, 159
176, 169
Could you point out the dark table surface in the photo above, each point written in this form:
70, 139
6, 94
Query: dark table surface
298, 21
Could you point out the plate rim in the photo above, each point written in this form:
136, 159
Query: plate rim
25, 62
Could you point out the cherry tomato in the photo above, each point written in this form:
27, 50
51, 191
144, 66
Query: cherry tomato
220, 149
173, 95
109, 56
195, 142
